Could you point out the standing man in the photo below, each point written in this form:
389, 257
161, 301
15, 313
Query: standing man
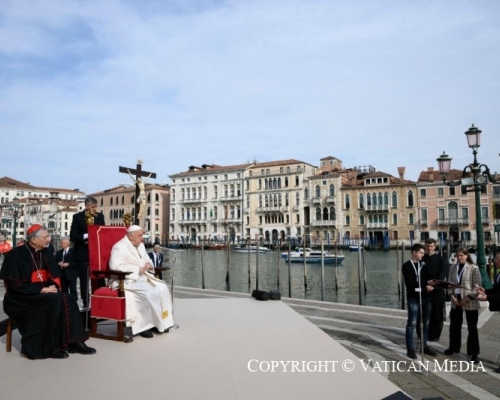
492, 295
156, 256
79, 236
69, 272
436, 269
416, 276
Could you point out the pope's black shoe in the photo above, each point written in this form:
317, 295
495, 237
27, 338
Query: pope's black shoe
156, 331
146, 334
81, 348
61, 354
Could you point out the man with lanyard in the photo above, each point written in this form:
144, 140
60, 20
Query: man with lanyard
47, 319
416, 276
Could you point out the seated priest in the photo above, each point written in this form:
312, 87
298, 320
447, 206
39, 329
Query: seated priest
148, 304
47, 318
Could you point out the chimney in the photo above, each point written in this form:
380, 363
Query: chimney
430, 170
401, 172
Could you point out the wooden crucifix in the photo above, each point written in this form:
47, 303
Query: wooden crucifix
140, 190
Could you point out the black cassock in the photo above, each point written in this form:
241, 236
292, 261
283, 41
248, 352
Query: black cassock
47, 322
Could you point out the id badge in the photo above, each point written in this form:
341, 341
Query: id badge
458, 291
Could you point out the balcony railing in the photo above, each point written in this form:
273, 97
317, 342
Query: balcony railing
377, 225
267, 209
453, 221
231, 198
330, 199
485, 220
323, 223
423, 222
296, 208
382, 207
191, 201
316, 200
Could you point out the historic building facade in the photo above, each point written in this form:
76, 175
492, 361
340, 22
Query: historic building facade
206, 203
276, 200
378, 207
322, 196
35, 204
449, 212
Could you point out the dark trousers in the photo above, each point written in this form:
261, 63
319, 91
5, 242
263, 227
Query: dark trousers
83, 275
456, 320
69, 286
436, 320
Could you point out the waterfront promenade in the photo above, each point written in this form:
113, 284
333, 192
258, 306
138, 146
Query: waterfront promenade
361, 332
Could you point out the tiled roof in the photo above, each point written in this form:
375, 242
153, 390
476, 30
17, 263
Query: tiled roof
126, 189
211, 168
276, 163
425, 176
9, 182
13, 183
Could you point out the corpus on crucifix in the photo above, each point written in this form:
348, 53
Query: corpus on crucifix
140, 188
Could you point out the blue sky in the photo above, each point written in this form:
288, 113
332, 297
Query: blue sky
87, 86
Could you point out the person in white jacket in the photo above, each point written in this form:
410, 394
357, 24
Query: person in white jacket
148, 303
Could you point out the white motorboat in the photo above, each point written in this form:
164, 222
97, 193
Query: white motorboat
314, 256
251, 249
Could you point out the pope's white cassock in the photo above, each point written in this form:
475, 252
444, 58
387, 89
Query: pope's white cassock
148, 298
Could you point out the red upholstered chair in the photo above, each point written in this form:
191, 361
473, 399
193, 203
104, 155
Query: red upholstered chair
106, 303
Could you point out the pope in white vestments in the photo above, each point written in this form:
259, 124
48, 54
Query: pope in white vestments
148, 303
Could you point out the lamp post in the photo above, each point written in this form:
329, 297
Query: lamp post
15, 215
475, 175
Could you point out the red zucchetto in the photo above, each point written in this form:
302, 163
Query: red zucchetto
34, 228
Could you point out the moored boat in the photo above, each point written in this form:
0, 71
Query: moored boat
251, 249
315, 257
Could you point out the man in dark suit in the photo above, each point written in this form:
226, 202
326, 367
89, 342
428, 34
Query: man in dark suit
156, 256
79, 236
69, 272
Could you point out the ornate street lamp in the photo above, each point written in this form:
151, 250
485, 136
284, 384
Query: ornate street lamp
475, 175
15, 215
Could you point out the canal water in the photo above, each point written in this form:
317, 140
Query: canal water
341, 281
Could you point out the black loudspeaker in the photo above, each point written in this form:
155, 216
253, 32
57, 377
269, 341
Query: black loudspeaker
260, 295
274, 295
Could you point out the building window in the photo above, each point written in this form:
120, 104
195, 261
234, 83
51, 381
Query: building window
410, 198
361, 201
361, 219
484, 212
317, 192
410, 219
318, 214
348, 220
297, 199
452, 191
306, 193
394, 200
465, 212
440, 192
331, 191
332, 214
423, 192
347, 202
394, 219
